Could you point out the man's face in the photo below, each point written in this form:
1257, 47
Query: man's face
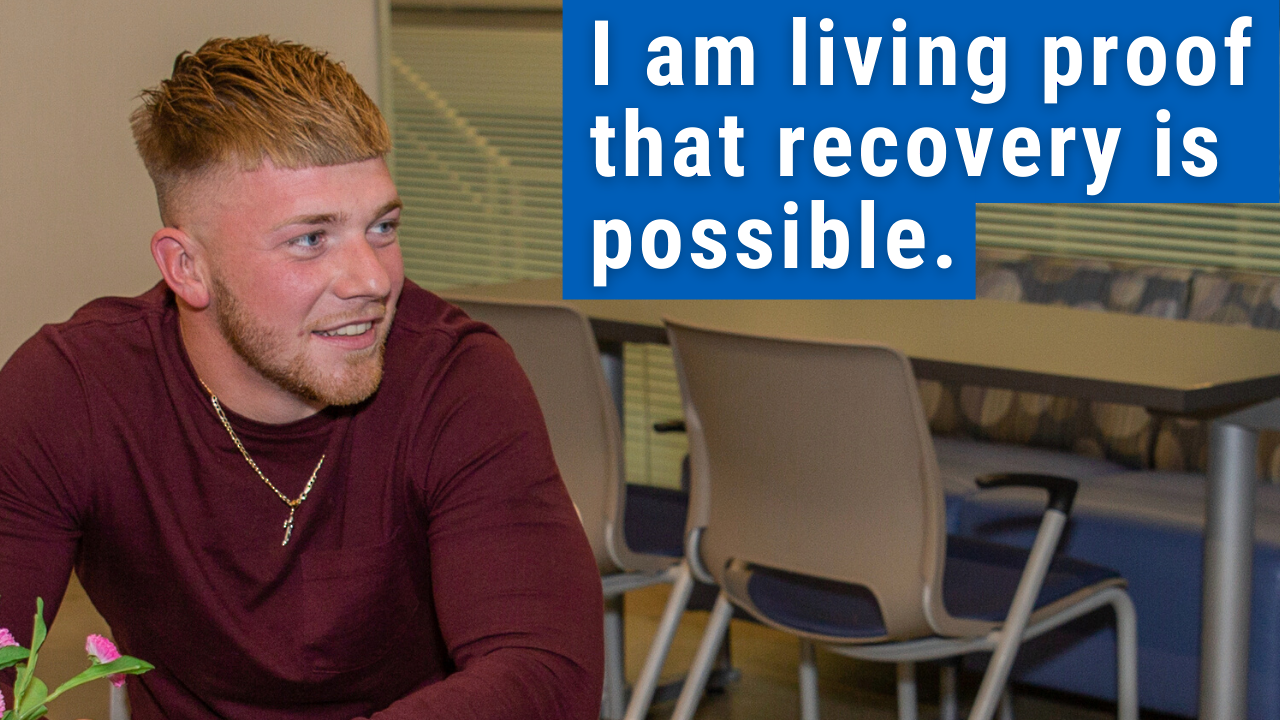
305, 271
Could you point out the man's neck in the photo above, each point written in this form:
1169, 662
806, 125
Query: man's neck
239, 387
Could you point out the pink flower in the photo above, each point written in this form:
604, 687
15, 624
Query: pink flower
2, 703
102, 650
6, 640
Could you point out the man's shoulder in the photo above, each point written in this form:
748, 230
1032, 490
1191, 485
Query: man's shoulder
107, 314
96, 328
426, 323
434, 342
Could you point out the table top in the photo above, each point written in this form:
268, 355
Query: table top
1173, 366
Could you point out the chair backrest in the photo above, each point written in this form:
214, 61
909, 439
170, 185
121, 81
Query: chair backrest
556, 348
816, 459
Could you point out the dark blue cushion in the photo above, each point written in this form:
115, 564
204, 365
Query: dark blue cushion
981, 577
979, 582
815, 605
654, 521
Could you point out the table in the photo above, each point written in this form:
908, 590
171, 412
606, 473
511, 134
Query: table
1168, 366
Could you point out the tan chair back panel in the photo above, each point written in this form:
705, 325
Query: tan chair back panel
557, 349
818, 461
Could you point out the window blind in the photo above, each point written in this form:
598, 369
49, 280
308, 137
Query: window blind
477, 135
1241, 236
476, 100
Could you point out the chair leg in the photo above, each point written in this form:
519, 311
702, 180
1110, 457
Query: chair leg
908, 703
696, 682
808, 681
1024, 599
1126, 657
614, 702
647, 683
723, 674
1006, 704
948, 705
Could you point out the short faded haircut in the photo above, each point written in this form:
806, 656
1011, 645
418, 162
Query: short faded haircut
237, 102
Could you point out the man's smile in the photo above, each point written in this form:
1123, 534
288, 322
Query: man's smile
359, 328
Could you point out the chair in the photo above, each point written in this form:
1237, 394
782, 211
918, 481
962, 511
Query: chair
557, 349
824, 518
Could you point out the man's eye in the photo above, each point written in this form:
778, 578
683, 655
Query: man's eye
384, 233
309, 240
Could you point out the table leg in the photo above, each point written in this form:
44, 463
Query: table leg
1228, 572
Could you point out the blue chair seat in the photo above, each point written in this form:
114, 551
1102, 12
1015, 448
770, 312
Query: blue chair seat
655, 519
979, 581
981, 578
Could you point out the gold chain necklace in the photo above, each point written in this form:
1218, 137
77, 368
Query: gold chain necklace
293, 504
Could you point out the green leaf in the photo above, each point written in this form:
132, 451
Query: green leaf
33, 702
12, 655
20, 685
124, 665
38, 635
26, 674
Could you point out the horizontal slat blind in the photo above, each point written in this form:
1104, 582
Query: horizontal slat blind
477, 134
652, 395
1240, 236
478, 156
477, 123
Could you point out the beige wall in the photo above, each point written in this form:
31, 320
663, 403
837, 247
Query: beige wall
76, 207
478, 4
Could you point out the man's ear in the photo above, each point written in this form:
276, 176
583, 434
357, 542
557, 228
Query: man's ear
176, 254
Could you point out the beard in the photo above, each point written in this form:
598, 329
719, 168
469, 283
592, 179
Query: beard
264, 351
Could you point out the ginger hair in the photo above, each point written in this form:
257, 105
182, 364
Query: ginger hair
237, 102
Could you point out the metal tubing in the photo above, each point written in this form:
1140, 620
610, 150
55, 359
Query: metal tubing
1126, 657
1024, 599
808, 681
1228, 572
614, 702
647, 683
1006, 705
691, 695
908, 702
948, 705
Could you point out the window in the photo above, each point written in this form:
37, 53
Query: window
476, 100
1242, 237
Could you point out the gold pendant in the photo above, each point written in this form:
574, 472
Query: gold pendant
288, 527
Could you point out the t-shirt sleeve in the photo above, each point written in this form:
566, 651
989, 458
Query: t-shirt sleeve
44, 433
516, 589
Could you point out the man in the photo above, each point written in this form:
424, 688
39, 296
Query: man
298, 484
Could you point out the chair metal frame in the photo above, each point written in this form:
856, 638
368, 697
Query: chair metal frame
893, 470
557, 349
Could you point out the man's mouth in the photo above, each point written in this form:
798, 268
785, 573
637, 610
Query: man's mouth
359, 328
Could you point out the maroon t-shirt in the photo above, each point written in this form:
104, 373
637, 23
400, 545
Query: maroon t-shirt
437, 569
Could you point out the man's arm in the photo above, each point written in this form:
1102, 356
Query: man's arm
517, 592
43, 435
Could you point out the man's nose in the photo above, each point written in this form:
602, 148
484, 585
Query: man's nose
361, 272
